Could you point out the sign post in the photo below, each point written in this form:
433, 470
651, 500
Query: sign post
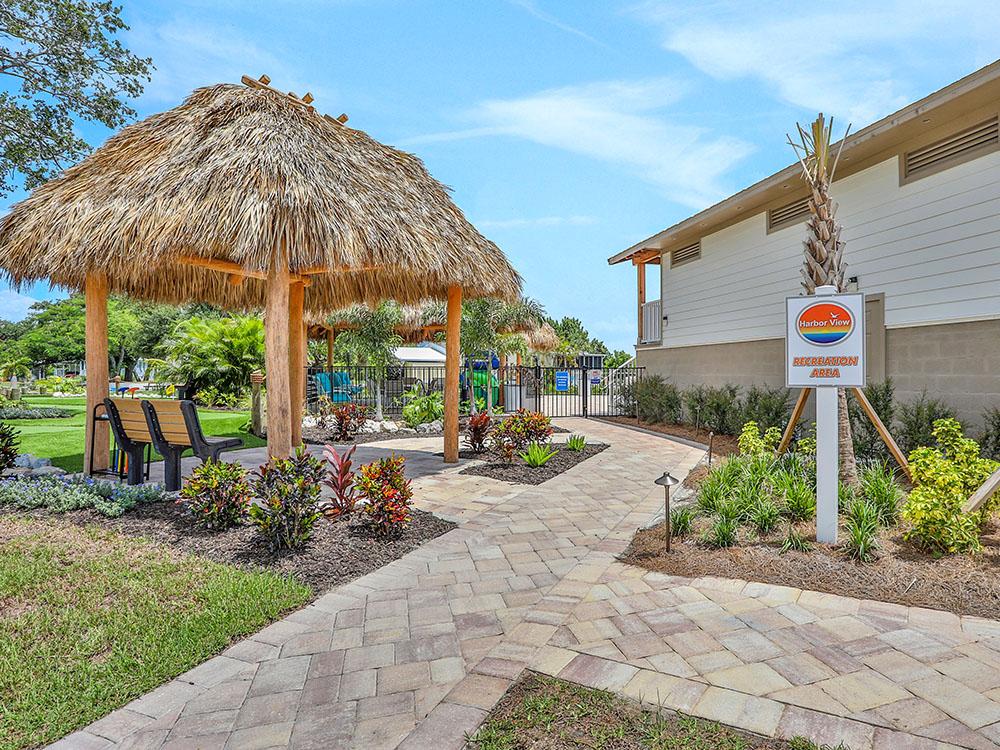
825, 350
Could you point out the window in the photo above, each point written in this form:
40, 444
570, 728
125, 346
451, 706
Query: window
952, 151
788, 215
685, 254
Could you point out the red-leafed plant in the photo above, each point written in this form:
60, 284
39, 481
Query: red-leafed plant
515, 433
340, 479
478, 431
346, 420
387, 494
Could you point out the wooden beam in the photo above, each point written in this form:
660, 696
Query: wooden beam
646, 256
883, 432
452, 356
296, 359
316, 270
96, 325
800, 405
984, 493
276, 327
233, 269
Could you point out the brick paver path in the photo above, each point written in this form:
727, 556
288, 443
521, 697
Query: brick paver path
415, 654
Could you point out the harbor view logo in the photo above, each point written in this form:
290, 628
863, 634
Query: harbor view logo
825, 323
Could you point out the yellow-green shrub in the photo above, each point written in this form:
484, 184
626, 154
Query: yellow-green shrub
751, 442
944, 477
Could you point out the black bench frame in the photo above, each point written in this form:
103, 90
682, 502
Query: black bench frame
138, 459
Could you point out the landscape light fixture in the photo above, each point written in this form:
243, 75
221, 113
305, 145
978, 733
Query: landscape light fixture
666, 481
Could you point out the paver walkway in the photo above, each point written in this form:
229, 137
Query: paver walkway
415, 654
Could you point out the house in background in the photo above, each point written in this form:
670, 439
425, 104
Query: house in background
919, 196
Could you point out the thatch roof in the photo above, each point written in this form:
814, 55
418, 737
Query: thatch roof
236, 173
542, 339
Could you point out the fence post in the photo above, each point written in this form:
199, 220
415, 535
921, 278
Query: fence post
584, 389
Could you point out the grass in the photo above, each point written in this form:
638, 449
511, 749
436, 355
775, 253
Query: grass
549, 714
90, 620
62, 439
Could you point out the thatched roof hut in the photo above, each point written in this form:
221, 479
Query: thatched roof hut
243, 174
247, 198
542, 339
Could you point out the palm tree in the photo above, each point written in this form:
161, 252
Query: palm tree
823, 259
14, 367
371, 336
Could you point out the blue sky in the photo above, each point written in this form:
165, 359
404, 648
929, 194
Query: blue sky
568, 129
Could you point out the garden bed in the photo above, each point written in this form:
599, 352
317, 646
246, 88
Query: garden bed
337, 552
318, 436
519, 472
902, 574
722, 445
550, 714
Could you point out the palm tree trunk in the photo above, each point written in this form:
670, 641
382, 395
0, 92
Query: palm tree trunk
845, 447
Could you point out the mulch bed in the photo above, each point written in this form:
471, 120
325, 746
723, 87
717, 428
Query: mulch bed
316, 436
520, 473
963, 584
339, 551
722, 445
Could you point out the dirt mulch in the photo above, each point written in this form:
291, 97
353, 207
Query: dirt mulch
722, 445
339, 551
545, 713
520, 473
903, 574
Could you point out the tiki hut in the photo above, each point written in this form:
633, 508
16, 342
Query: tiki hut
248, 198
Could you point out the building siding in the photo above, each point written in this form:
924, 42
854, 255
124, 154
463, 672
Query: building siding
932, 246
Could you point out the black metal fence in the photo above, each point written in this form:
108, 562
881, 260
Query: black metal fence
555, 391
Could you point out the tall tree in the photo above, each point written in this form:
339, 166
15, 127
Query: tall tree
373, 339
575, 339
823, 257
59, 61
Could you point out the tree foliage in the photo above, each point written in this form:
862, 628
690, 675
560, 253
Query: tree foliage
61, 61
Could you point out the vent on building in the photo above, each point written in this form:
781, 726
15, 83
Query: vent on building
787, 215
948, 152
685, 254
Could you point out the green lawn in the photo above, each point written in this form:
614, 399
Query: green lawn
548, 713
62, 439
91, 619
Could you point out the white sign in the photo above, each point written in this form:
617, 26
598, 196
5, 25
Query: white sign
825, 341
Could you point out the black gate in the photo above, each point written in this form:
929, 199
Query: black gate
572, 391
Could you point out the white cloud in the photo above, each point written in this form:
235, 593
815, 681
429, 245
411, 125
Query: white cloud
188, 55
530, 6
853, 60
541, 221
617, 122
14, 305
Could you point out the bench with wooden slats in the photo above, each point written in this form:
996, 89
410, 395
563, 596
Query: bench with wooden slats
132, 419
168, 413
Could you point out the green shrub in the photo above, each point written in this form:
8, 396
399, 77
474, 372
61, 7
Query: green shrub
917, 420
287, 491
768, 407
710, 495
800, 501
576, 443
517, 431
867, 442
387, 494
764, 515
217, 495
722, 409
538, 454
944, 477
794, 541
989, 443
657, 400
420, 408
681, 520
880, 488
694, 400
723, 532
60, 494
861, 527
34, 412
751, 442
10, 439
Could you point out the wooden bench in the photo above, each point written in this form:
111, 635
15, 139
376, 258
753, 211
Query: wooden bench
174, 427
128, 425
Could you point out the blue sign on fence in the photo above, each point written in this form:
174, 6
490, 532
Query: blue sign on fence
562, 381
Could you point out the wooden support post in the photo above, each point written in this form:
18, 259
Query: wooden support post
96, 322
883, 432
329, 349
256, 405
276, 328
800, 405
452, 356
641, 293
984, 493
296, 359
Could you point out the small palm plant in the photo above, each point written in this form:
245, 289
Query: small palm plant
537, 455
